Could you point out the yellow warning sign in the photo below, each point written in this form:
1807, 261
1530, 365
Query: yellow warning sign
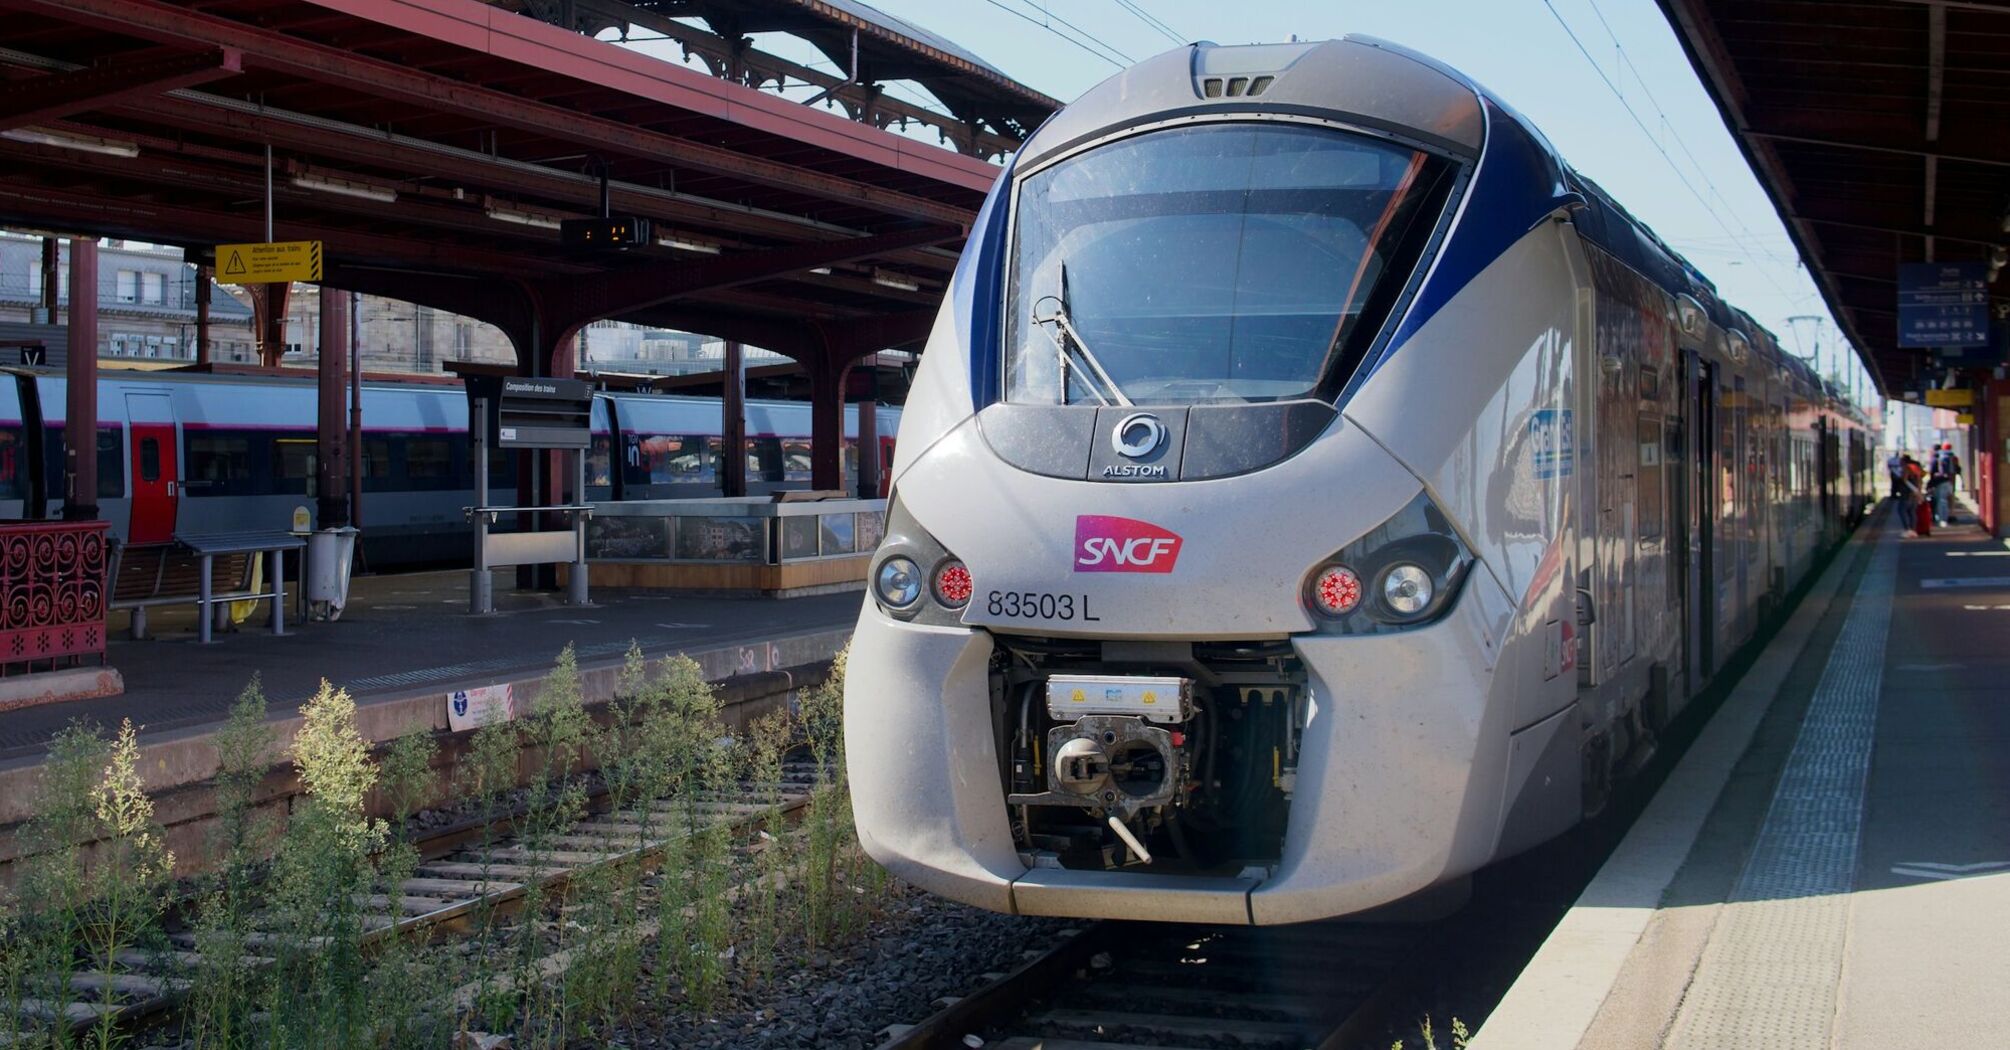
268, 262
1950, 398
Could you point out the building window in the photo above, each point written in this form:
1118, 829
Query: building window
153, 288
129, 286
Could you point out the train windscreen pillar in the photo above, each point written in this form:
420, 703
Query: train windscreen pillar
331, 453
80, 423
733, 421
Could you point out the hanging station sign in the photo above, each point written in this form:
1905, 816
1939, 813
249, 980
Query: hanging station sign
1943, 304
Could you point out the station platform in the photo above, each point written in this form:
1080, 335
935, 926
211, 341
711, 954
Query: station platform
409, 634
1829, 864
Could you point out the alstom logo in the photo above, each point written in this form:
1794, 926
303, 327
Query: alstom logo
1110, 544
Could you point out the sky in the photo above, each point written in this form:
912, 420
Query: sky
1669, 159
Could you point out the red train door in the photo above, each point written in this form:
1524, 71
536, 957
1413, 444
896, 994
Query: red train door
156, 474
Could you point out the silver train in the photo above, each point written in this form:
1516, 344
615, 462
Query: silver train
1313, 491
189, 453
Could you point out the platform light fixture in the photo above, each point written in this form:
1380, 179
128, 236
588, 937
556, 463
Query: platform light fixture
346, 188
684, 244
891, 279
64, 140
523, 218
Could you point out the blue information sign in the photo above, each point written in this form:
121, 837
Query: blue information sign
1943, 304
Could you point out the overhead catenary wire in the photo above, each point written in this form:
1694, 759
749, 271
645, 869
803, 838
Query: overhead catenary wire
1153, 21
1088, 42
1646, 89
1654, 141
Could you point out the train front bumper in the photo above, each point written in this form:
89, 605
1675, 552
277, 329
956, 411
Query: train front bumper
1402, 778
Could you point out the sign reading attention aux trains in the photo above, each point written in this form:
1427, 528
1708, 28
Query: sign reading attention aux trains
268, 262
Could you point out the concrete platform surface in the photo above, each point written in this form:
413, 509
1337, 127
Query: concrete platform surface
1829, 865
406, 633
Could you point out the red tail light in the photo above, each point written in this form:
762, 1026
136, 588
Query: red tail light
953, 585
1336, 590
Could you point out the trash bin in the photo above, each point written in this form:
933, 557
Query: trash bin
330, 552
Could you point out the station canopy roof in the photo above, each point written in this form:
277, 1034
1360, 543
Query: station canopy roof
1878, 127
433, 146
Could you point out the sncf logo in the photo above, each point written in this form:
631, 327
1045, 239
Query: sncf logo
1109, 544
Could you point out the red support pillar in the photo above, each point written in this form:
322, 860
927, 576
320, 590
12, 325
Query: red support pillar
826, 421
331, 446
868, 443
50, 269
80, 422
268, 306
733, 421
202, 280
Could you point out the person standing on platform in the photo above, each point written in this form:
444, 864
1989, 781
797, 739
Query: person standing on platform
1946, 470
1895, 466
1912, 494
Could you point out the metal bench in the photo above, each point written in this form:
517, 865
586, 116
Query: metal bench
209, 570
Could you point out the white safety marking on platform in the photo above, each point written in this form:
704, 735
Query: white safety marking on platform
387, 608
1965, 581
1984, 608
683, 626
1978, 554
1923, 869
582, 623
1769, 974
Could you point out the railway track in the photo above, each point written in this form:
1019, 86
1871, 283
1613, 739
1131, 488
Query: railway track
462, 874
1325, 985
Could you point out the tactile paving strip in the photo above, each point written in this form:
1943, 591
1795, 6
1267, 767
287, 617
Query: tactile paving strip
1769, 974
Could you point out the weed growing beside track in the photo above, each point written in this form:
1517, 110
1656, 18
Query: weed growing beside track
694, 878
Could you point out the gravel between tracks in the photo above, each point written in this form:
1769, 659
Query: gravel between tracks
919, 949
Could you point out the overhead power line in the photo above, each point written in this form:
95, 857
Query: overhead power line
1654, 141
1086, 41
1153, 22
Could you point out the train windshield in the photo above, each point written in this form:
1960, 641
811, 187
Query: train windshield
1213, 263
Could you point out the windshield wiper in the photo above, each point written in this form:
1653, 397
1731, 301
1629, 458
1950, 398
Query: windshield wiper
1057, 316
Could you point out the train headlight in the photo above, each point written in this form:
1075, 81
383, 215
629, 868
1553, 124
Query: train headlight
1407, 588
898, 582
915, 578
1401, 574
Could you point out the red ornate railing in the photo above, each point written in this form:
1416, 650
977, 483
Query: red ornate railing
52, 589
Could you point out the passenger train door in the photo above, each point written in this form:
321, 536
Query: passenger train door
156, 474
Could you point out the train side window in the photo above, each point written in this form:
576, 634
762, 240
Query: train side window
292, 465
376, 465
111, 462
669, 459
218, 465
599, 463
11, 451
150, 459
764, 459
795, 459
429, 463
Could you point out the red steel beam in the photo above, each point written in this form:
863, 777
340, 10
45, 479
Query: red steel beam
53, 96
468, 23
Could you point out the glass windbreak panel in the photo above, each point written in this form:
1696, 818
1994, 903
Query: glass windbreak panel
795, 459
1215, 263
